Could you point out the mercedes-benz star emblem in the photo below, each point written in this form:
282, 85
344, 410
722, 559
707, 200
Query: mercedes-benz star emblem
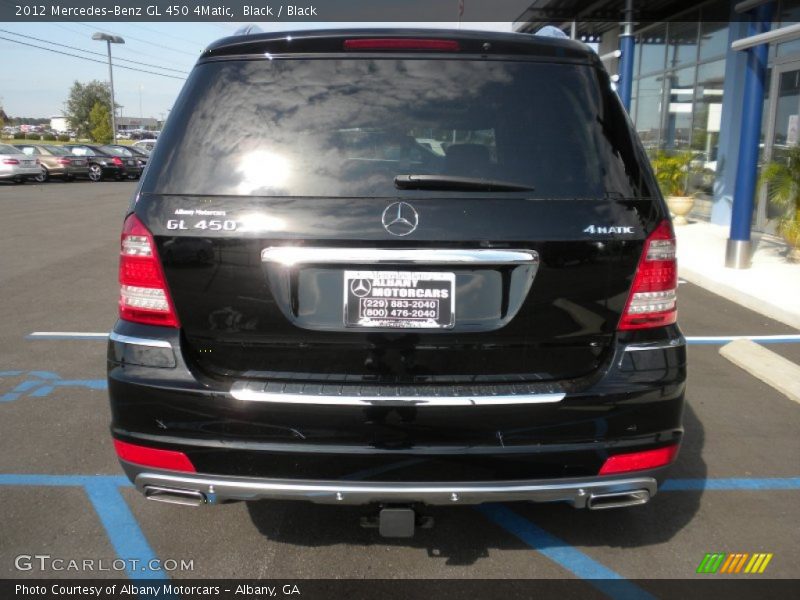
400, 218
360, 287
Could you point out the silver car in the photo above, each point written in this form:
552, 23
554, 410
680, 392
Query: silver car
16, 166
145, 146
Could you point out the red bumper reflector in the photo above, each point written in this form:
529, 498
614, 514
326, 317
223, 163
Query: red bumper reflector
401, 44
171, 460
639, 461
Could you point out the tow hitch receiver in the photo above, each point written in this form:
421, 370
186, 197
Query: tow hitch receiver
397, 521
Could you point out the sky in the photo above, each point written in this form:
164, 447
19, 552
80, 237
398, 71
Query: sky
35, 82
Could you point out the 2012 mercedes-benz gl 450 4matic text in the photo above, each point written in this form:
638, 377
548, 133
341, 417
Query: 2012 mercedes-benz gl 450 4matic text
315, 305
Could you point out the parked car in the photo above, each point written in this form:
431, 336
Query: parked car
16, 166
128, 152
145, 146
105, 164
55, 161
382, 325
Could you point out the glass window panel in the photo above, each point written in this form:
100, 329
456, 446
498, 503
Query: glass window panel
714, 29
713, 39
677, 132
789, 15
706, 124
653, 44
648, 111
683, 41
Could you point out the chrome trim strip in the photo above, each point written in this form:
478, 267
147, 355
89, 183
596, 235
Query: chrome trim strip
676, 343
137, 341
217, 488
240, 392
289, 256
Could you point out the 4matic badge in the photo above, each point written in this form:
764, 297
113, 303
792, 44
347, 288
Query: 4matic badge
598, 229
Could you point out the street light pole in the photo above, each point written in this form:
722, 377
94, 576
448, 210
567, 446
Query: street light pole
110, 39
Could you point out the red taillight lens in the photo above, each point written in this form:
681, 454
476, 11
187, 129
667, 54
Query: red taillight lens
117, 161
652, 300
401, 44
154, 457
64, 161
639, 461
144, 296
10, 161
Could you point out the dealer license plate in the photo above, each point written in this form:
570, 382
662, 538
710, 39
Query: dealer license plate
399, 299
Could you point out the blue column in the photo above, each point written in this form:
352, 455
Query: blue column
625, 83
626, 46
737, 253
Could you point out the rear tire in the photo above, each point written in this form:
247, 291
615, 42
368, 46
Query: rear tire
95, 173
42, 177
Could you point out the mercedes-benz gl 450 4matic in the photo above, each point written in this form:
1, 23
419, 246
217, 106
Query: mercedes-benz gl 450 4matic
316, 303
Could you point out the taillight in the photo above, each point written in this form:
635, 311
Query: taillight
64, 161
401, 44
652, 300
117, 161
639, 461
154, 457
10, 161
143, 293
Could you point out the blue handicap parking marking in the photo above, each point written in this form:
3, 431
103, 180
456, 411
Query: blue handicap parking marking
731, 484
40, 384
122, 528
119, 523
563, 554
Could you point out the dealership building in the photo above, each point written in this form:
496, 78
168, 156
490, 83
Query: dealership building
719, 78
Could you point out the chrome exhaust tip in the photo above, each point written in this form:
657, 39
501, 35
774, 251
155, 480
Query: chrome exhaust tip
617, 499
174, 495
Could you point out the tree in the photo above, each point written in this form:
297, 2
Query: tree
100, 123
81, 101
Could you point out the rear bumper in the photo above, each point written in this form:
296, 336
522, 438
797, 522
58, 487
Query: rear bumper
594, 492
531, 444
16, 171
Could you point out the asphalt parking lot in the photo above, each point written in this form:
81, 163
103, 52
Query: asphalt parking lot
735, 488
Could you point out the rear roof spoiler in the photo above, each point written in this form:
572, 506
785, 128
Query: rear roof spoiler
251, 41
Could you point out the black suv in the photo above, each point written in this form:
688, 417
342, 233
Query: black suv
397, 267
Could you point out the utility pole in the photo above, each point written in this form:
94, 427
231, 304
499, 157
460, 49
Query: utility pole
111, 39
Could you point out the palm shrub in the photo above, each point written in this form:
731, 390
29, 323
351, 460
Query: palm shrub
672, 171
782, 179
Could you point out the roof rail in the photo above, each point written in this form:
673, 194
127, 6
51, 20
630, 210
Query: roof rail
552, 32
248, 29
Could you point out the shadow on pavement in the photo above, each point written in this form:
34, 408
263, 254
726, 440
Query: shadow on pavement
463, 536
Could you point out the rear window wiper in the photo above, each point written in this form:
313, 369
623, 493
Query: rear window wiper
454, 182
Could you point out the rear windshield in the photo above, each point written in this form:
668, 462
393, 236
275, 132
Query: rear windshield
58, 151
328, 127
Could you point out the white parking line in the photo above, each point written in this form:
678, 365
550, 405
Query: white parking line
66, 335
724, 339
763, 364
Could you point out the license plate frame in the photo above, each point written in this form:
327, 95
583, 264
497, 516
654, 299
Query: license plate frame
398, 299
